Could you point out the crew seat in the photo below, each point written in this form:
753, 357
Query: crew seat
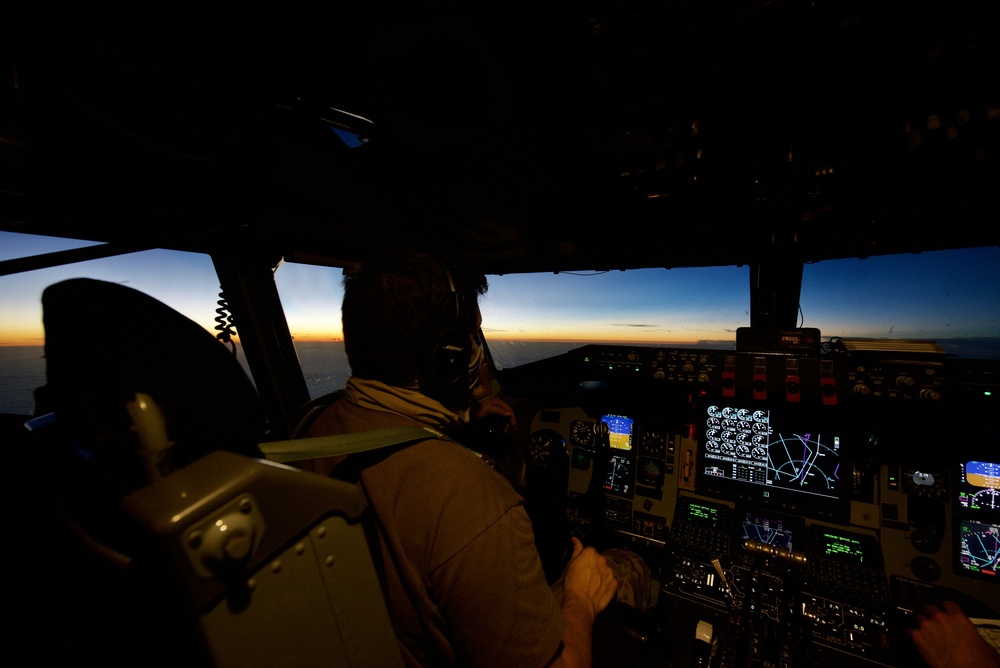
160, 535
271, 564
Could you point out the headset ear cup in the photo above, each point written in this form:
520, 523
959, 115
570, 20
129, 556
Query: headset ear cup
450, 362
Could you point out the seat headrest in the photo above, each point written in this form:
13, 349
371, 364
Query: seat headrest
104, 342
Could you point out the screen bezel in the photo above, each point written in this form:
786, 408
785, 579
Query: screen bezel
784, 419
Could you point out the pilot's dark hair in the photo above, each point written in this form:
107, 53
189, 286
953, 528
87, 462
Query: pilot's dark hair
406, 311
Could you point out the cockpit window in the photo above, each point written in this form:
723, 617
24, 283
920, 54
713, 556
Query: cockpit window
527, 317
186, 282
310, 297
951, 297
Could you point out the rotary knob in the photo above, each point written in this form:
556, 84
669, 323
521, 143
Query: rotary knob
226, 544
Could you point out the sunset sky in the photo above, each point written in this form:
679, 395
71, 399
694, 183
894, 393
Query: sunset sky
931, 295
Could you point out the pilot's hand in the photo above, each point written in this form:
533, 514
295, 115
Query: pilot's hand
946, 638
588, 581
495, 407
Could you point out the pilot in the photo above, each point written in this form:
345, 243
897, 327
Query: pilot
463, 577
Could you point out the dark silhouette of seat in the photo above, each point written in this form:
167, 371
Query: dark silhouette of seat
168, 538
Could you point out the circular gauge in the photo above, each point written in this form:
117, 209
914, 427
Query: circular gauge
713, 422
925, 541
713, 411
987, 498
729, 436
544, 447
712, 446
743, 437
759, 440
760, 427
712, 434
581, 433
728, 448
729, 424
759, 416
743, 414
742, 451
650, 472
926, 569
759, 453
928, 484
728, 412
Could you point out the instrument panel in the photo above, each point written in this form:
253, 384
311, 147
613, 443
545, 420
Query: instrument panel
897, 503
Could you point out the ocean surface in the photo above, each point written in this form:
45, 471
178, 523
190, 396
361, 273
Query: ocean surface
325, 368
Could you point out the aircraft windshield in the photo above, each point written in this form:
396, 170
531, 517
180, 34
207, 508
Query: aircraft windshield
951, 297
186, 282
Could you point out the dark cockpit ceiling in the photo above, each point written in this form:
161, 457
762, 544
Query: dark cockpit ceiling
533, 136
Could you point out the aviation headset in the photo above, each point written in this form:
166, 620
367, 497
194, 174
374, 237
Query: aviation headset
448, 376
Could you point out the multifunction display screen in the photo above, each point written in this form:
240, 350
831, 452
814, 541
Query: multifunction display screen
760, 453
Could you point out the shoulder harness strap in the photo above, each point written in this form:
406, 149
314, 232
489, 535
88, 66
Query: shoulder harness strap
344, 444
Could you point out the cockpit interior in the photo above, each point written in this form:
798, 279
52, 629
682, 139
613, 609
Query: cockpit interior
799, 492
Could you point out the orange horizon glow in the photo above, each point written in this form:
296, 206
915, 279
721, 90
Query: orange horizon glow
328, 338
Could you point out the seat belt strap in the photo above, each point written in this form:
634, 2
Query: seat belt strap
344, 444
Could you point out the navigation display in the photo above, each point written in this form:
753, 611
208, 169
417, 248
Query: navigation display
620, 476
978, 549
783, 457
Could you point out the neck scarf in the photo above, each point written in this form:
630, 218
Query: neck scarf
378, 396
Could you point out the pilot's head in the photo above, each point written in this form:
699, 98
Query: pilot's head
411, 319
